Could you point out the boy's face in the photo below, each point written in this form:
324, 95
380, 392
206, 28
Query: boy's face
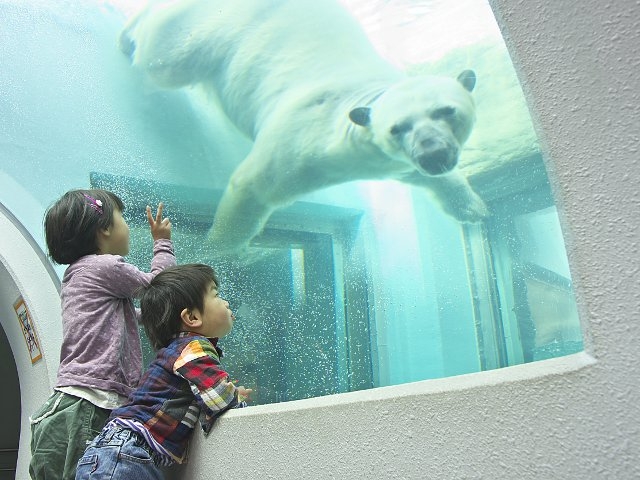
217, 318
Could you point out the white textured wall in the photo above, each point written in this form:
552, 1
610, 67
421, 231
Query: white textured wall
22, 272
572, 418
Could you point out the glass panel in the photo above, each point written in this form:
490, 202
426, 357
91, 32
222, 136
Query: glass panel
361, 276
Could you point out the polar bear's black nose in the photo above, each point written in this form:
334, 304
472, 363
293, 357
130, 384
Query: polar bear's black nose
437, 162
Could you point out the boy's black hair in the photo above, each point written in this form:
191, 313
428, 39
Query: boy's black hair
72, 223
170, 292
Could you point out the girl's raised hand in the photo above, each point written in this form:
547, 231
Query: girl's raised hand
160, 227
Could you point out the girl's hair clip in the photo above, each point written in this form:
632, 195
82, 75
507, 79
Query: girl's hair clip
94, 203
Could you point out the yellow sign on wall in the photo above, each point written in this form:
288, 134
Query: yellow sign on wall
28, 330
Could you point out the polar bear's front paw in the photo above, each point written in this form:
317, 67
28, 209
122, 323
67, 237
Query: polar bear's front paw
466, 206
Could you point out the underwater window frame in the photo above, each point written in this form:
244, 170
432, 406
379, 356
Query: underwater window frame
356, 366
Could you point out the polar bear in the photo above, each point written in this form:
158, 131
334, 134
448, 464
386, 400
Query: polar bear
301, 79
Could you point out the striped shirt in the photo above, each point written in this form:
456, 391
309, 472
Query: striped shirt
183, 385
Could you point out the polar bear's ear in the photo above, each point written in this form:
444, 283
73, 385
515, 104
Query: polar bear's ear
127, 45
468, 79
360, 116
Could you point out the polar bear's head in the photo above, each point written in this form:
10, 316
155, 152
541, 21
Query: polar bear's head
422, 120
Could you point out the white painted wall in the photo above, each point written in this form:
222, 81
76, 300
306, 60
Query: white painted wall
22, 272
572, 418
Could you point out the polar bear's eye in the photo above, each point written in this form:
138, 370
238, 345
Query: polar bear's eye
400, 128
443, 113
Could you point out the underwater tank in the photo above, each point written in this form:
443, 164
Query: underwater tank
365, 282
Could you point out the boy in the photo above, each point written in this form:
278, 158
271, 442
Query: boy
183, 317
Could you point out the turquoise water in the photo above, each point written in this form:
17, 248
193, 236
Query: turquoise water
355, 286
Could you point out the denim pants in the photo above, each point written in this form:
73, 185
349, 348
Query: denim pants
61, 429
119, 454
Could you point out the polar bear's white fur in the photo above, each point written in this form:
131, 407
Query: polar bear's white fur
301, 79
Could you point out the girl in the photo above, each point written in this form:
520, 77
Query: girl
101, 357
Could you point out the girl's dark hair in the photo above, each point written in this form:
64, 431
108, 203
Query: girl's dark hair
71, 224
170, 292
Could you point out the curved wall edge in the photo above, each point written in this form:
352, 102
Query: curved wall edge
468, 382
26, 273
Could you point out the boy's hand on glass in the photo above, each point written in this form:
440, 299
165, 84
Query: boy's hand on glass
160, 227
244, 394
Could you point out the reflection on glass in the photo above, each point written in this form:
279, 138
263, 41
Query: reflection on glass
361, 284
